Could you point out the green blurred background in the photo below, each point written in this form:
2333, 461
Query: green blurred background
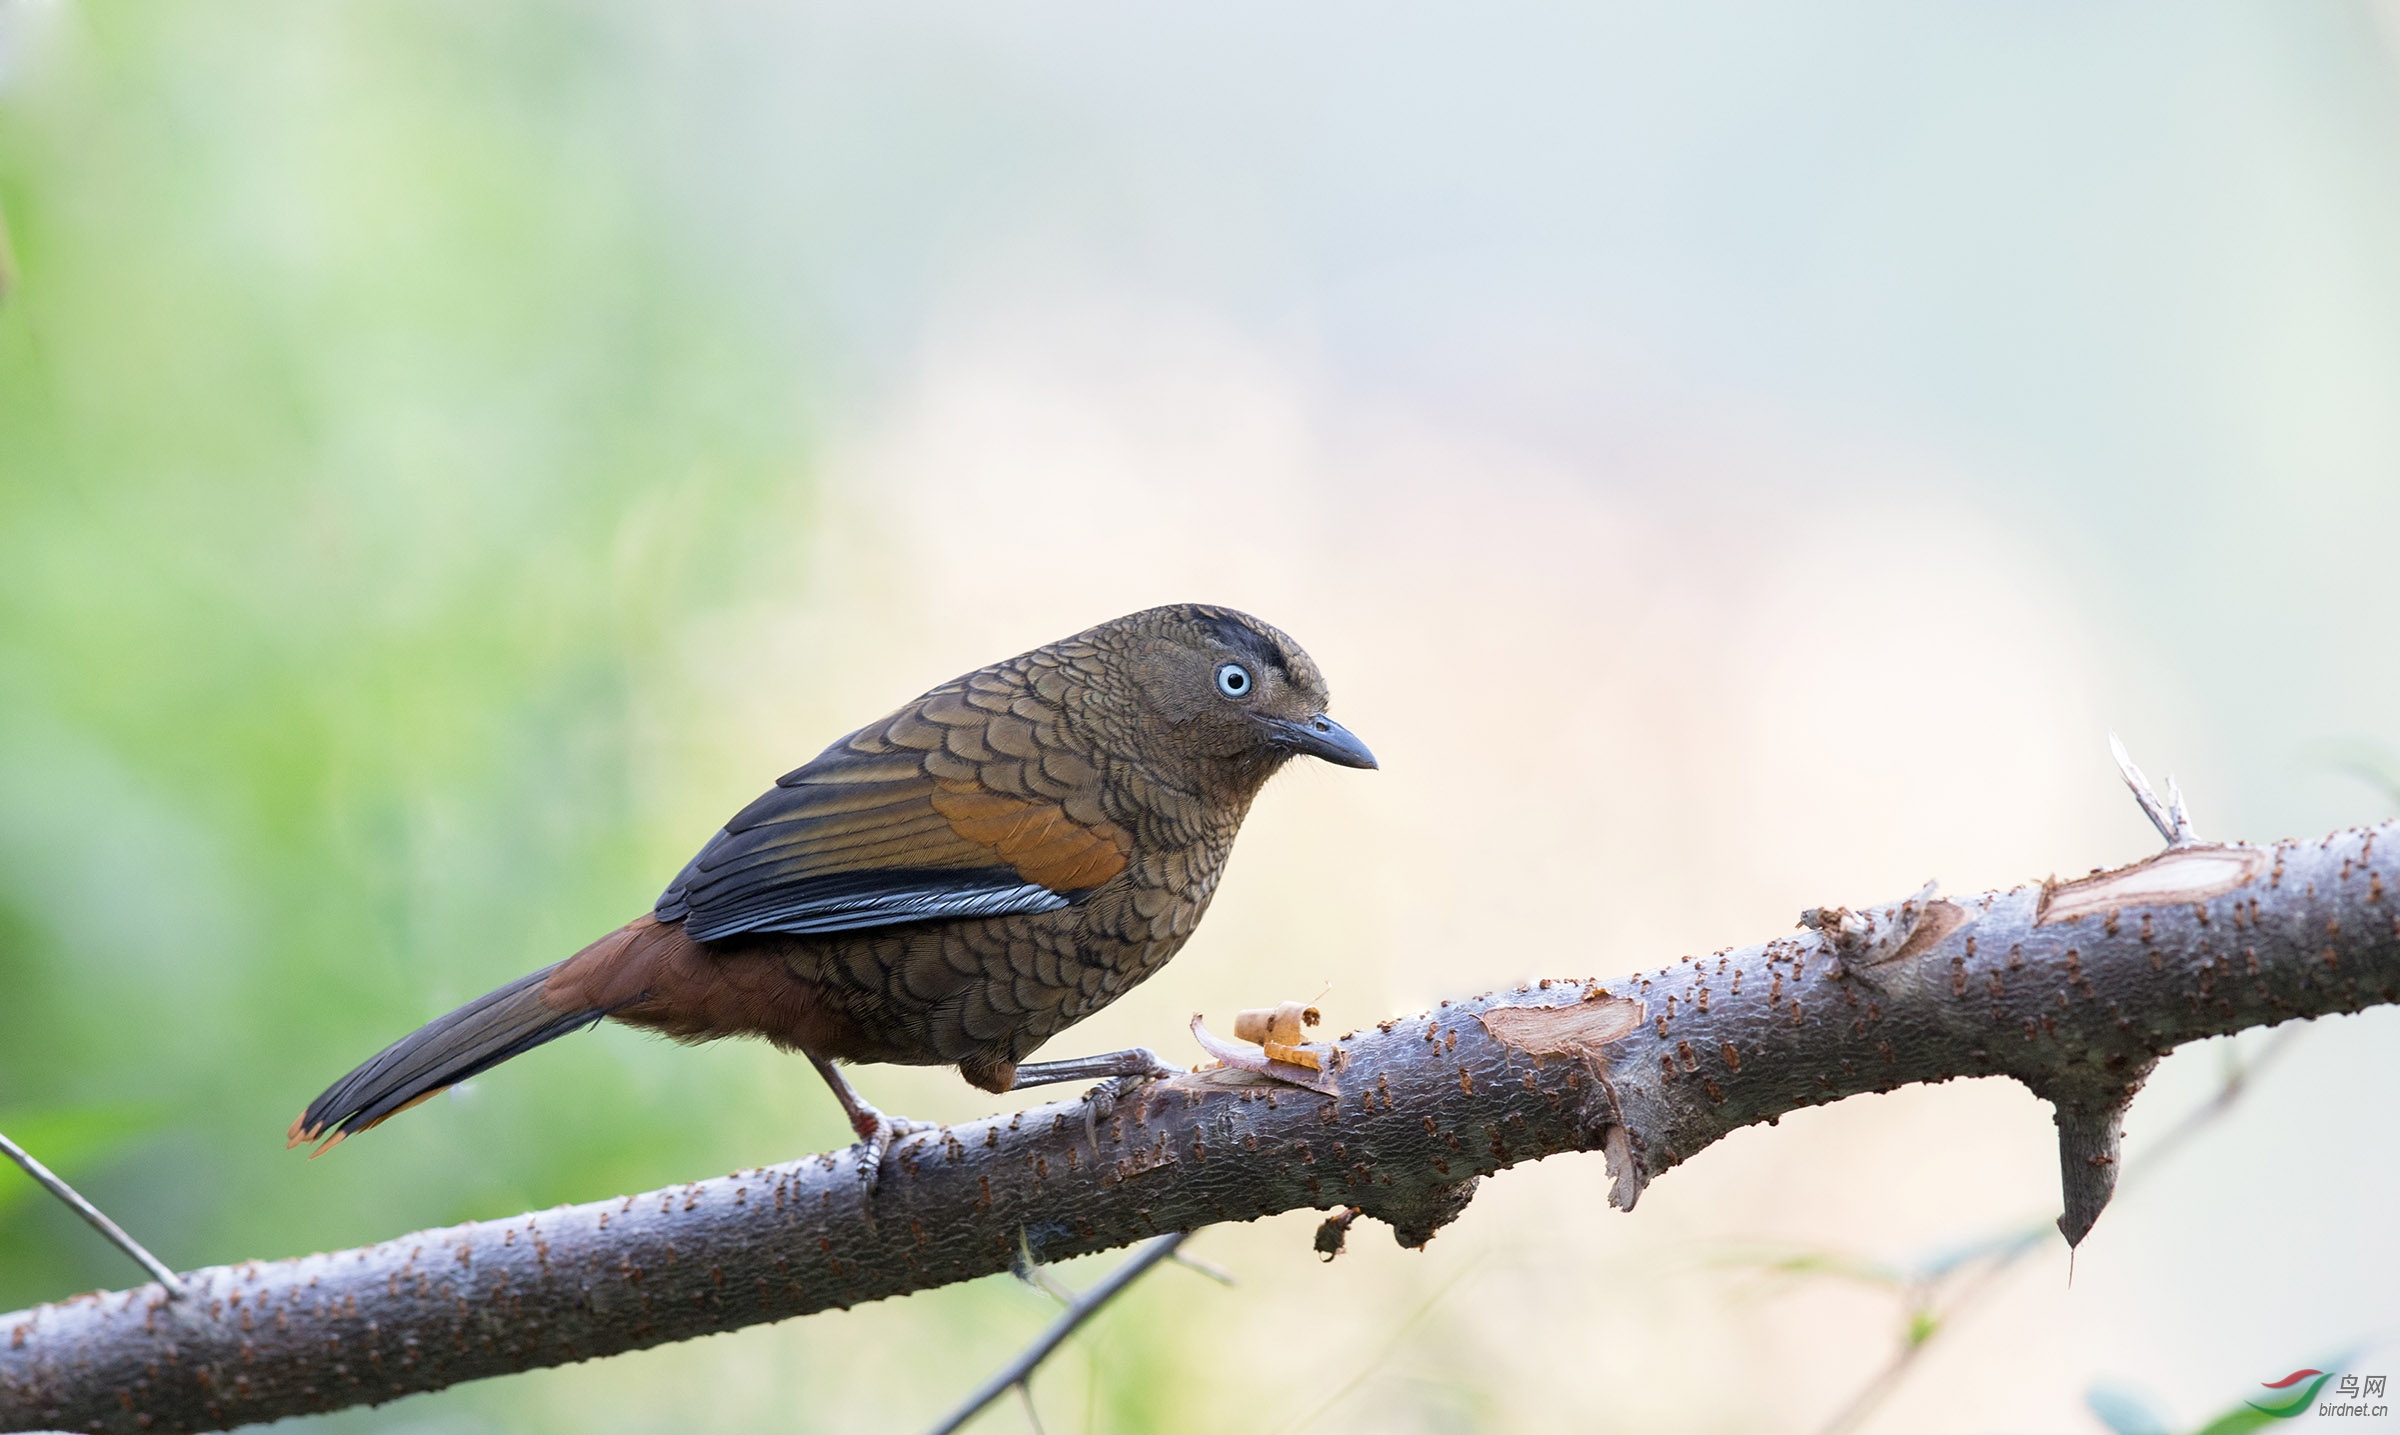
451, 455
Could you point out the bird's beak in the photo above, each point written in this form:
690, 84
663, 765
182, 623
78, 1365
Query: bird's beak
1321, 736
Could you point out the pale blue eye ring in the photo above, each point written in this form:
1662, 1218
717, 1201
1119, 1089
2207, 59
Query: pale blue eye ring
1233, 680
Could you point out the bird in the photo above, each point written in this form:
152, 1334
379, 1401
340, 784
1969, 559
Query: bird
951, 885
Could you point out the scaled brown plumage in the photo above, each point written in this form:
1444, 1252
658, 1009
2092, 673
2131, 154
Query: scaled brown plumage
954, 884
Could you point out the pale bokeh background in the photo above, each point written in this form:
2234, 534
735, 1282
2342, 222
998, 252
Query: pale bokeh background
1725, 463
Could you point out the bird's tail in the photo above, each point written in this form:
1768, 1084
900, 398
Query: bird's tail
447, 1050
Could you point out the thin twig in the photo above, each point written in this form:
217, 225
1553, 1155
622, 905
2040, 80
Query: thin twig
1391, 1343
1033, 1416
2231, 1088
1025, 1266
1019, 1371
2372, 763
93, 1215
1872, 1394
1213, 1272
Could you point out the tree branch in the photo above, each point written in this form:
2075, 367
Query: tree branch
2073, 988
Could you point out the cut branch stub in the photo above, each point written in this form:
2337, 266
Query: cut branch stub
2173, 821
1876, 935
1580, 1032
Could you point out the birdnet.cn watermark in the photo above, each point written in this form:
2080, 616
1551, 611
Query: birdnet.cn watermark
2304, 1392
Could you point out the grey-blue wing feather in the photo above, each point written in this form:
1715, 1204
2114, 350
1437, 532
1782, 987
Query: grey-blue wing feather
850, 841
846, 901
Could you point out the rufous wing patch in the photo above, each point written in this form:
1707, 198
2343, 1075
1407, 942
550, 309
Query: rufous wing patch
1037, 838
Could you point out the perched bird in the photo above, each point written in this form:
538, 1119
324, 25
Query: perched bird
952, 885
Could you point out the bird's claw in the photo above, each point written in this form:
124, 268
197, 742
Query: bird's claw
1100, 1102
1107, 1092
876, 1135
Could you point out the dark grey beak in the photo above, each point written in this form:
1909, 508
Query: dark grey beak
1325, 738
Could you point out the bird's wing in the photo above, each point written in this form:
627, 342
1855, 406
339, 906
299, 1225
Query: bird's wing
969, 802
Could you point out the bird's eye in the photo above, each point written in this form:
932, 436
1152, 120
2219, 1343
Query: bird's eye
1233, 680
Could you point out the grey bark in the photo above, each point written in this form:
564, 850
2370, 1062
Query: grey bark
2073, 988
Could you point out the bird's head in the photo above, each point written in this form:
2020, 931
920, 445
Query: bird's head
1224, 689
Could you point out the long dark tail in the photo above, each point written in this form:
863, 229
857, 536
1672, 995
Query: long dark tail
478, 1036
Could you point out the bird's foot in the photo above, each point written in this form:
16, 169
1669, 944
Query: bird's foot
876, 1135
876, 1131
1103, 1097
1100, 1103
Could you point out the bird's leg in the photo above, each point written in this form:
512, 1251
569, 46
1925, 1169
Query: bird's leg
876, 1131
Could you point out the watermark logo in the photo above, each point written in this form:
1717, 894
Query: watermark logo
2303, 1392
2298, 1395
2291, 1406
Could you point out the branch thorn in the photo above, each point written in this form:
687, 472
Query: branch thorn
2090, 1142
